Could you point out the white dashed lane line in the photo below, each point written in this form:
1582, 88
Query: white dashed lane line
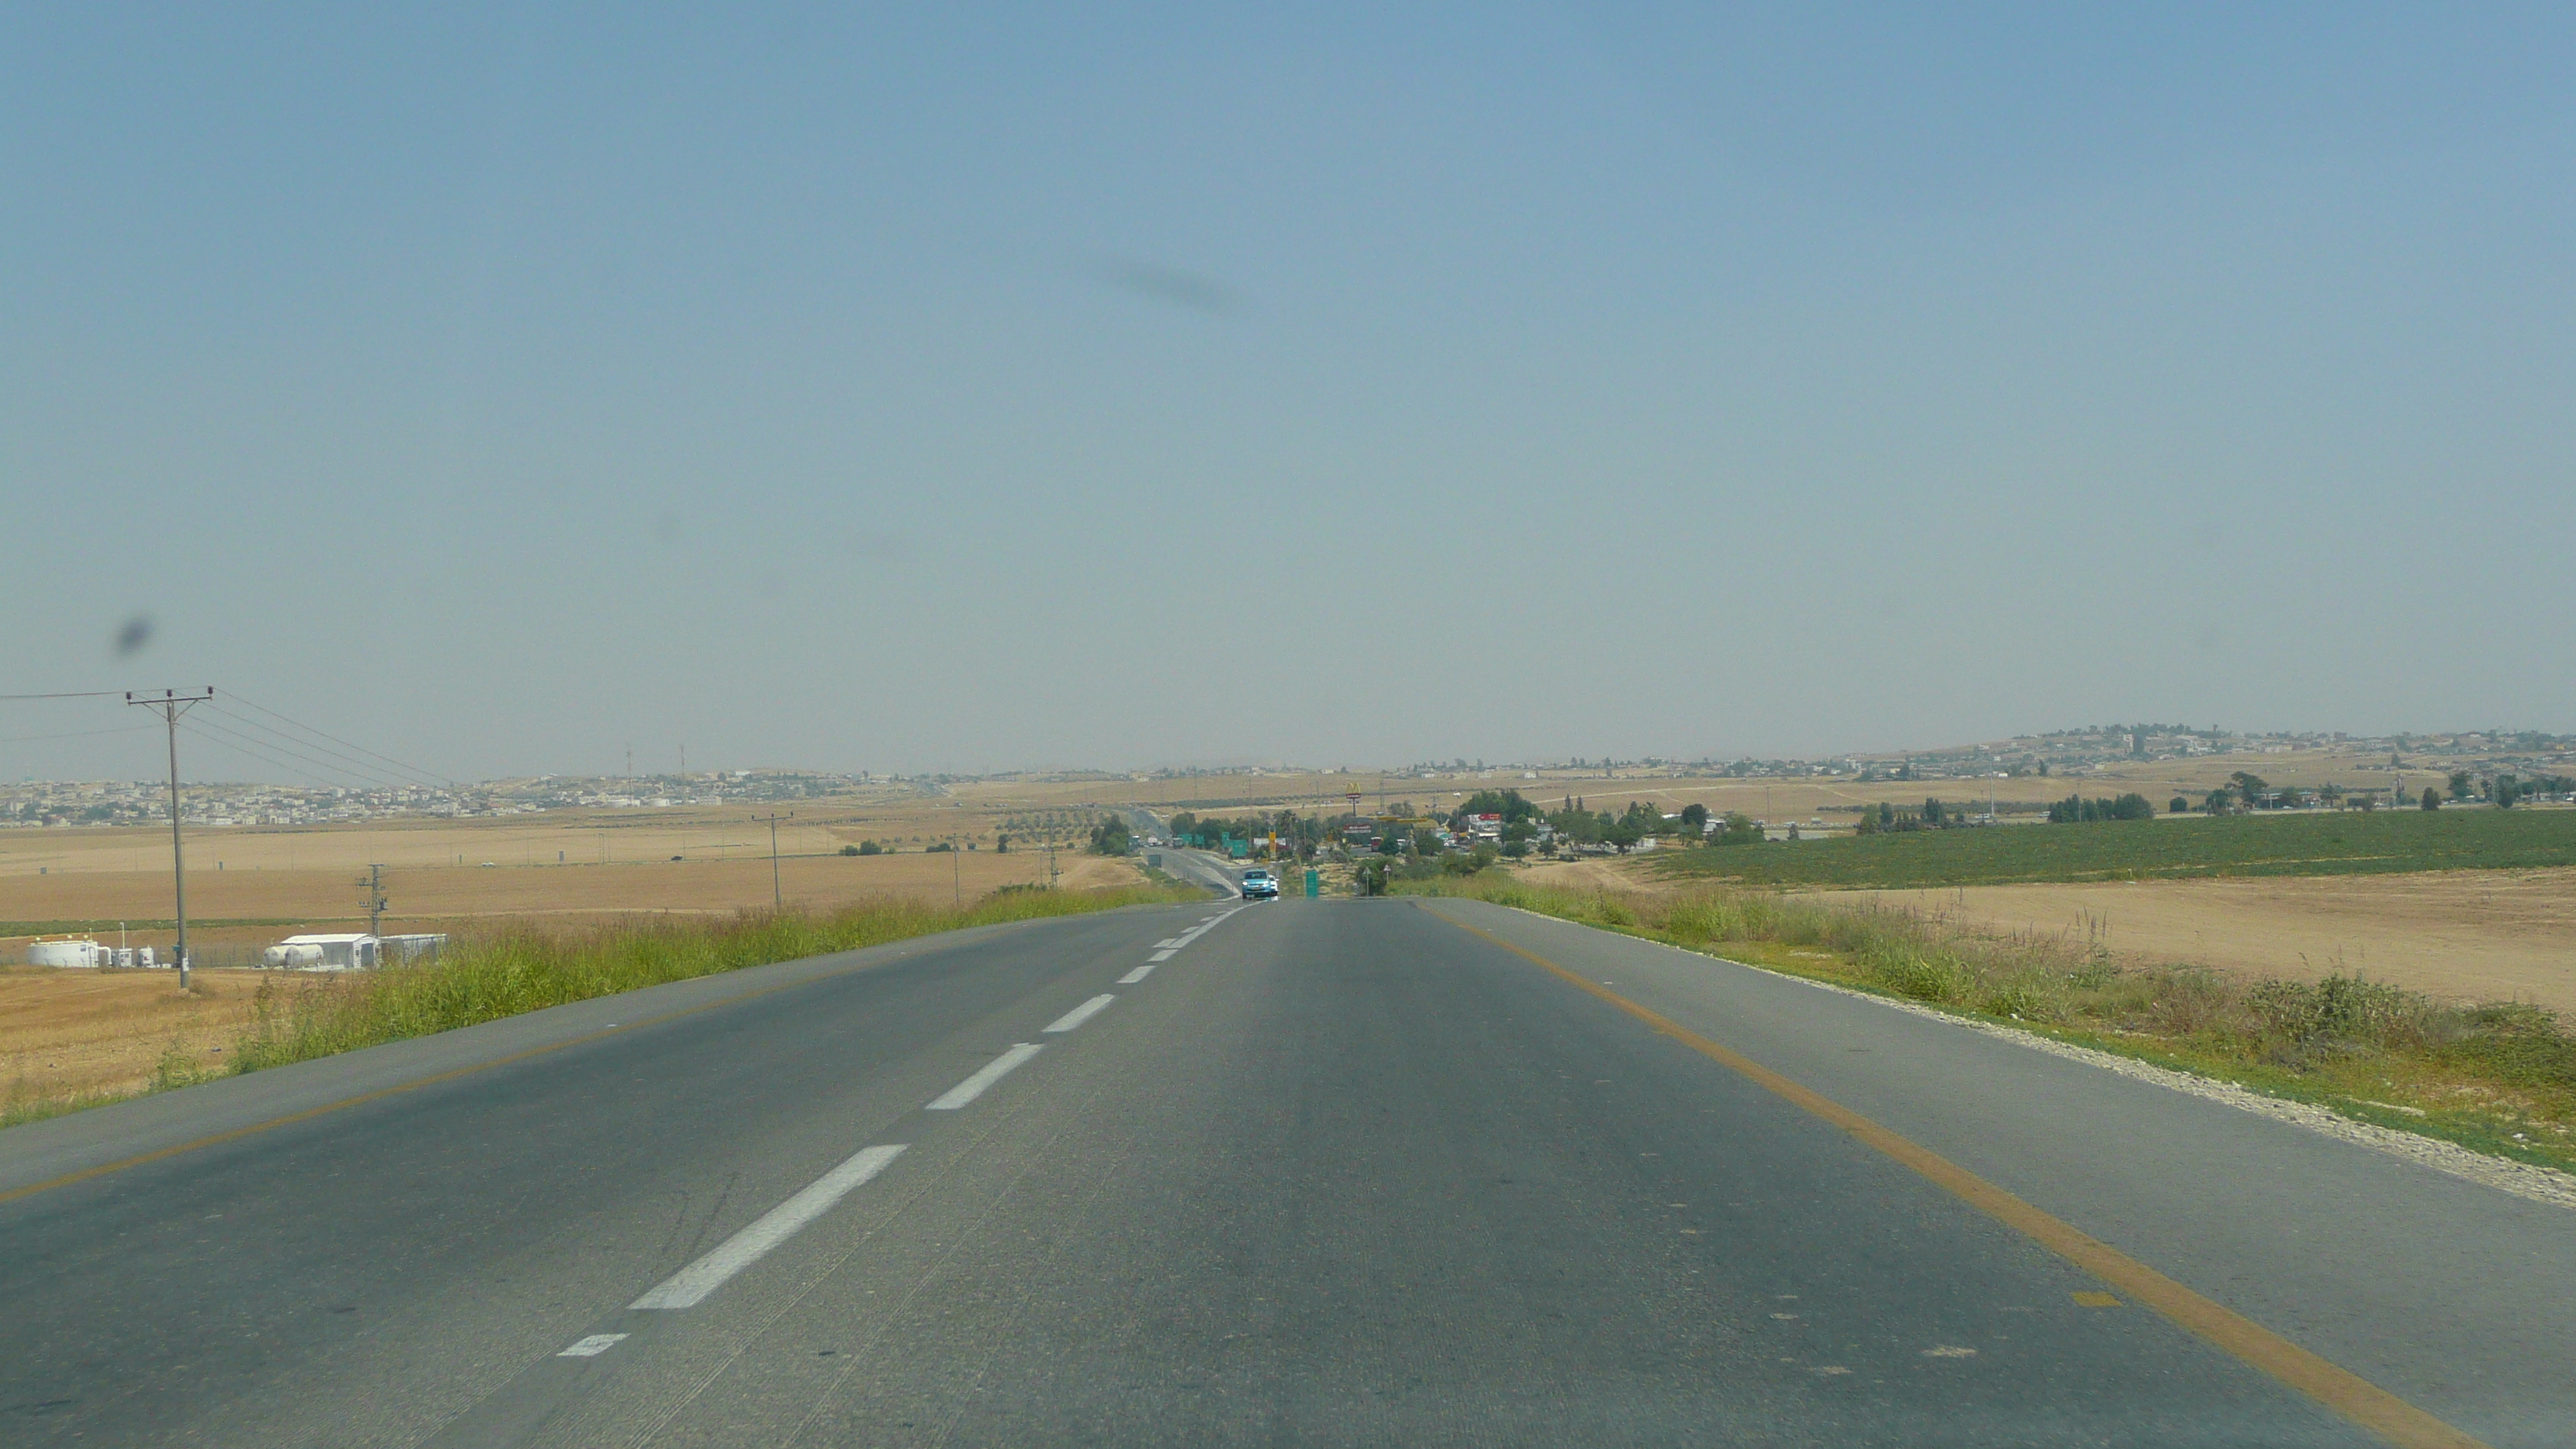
991, 1072
593, 1346
1139, 974
694, 1282
1080, 1014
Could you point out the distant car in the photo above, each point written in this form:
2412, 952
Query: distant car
1260, 885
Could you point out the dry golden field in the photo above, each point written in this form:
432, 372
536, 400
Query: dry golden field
2460, 934
2487, 935
69, 1034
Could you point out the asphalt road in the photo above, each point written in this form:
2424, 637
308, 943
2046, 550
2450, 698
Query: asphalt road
1335, 1172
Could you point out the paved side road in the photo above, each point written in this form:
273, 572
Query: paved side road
1336, 1172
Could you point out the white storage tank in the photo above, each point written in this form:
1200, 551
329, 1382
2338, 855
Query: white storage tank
64, 953
291, 956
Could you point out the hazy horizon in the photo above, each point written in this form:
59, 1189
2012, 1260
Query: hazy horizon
972, 391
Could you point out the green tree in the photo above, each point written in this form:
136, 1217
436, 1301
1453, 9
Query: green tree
2250, 787
2177, 805
1112, 837
2459, 784
1506, 803
1740, 829
2431, 798
1694, 820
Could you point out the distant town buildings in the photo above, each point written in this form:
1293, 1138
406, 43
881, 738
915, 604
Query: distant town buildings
41, 803
2076, 752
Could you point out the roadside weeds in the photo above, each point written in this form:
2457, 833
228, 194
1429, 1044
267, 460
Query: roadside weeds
513, 970
2495, 1078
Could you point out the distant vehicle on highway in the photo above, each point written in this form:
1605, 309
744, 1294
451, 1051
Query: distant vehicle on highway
1260, 885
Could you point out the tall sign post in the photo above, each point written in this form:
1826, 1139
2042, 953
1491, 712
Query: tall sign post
170, 706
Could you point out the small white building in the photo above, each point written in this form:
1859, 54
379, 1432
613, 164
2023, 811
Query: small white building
334, 952
349, 951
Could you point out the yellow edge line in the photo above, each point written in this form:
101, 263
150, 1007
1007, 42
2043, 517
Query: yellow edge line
363, 1098
2344, 1392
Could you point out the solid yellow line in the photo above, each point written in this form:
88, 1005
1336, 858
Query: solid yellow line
2346, 1393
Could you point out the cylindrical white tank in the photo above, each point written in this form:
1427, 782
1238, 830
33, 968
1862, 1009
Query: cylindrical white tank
62, 953
143, 956
291, 958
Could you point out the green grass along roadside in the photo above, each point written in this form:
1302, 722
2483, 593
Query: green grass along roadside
2349, 842
2498, 1078
506, 972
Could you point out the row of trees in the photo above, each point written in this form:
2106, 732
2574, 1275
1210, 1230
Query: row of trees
1936, 814
2075, 809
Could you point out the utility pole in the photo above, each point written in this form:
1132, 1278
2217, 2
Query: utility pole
170, 706
956, 874
375, 884
777, 897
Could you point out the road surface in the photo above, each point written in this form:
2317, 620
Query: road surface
1329, 1172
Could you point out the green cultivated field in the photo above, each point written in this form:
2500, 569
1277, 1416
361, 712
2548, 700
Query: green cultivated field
2345, 843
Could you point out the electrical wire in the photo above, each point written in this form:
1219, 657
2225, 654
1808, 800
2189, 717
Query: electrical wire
241, 745
75, 694
265, 758
335, 739
202, 725
73, 735
290, 740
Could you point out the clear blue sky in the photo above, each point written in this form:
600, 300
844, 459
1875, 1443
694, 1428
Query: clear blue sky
974, 389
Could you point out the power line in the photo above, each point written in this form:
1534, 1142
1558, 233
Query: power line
73, 735
325, 765
335, 739
200, 735
362, 777
75, 694
290, 740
